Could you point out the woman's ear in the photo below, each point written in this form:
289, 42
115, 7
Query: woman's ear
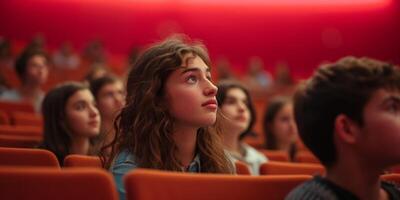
346, 129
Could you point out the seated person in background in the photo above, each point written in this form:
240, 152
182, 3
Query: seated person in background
96, 71
38, 43
66, 58
170, 113
32, 69
283, 76
6, 56
224, 69
238, 116
258, 80
71, 119
280, 127
3, 84
95, 53
348, 115
110, 98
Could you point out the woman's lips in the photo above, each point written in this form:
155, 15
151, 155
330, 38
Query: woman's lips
210, 104
94, 123
241, 118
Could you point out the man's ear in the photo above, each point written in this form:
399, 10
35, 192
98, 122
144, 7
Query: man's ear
346, 129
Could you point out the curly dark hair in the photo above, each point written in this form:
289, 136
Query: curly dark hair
144, 125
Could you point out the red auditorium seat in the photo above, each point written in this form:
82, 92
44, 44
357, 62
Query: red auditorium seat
275, 155
286, 168
26, 119
21, 130
9, 106
50, 184
74, 160
4, 119
242, 168
306, 157
19, 141
27, 157
144, 184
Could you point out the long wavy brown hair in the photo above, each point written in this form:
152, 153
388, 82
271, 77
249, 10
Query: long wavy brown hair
144, 126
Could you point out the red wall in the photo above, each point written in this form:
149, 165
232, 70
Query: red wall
303, 36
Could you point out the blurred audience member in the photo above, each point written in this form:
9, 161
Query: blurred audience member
96, 71
94, 53
71, 119
258, 79
6, 58
65, 58
32, 69
283, 77
239, 117
37, 43
279, 126
224, 70
110, 98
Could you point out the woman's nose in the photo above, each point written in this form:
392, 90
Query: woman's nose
94, 111
211, 89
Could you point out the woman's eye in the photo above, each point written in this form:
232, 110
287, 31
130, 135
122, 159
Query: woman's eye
285, 119
79, 107
191, 79
230, 101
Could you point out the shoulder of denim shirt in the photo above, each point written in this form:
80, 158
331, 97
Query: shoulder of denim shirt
124, 157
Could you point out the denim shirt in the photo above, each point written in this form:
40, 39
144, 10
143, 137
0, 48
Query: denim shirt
125, 162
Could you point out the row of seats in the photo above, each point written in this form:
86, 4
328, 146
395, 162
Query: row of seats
84, 183
10, 106
141, 184
44, 158
20, 136
303, 156
31, 136
19, 113
28, 137
18, 118
35, 174
36, 183
20, 126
